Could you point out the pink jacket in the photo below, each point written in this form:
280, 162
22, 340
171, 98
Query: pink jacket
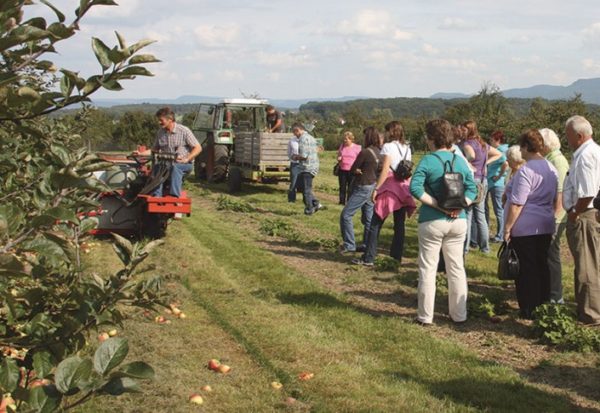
393, 195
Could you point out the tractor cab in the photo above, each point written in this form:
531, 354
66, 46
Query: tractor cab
216, 127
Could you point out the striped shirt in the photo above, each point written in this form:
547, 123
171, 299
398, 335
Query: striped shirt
180, 141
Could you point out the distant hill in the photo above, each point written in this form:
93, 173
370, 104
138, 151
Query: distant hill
444, 95
191, 99
588, 88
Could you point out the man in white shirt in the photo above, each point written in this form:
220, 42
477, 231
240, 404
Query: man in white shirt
583, 231
294, 168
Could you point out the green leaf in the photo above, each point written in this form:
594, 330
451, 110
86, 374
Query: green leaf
121, 39
63, 214
59, 15
61, 152
120, 385
136, 71
139, 45
43, 363
110, 354
29, 93
111, 85
103, 3
123, 248
44, 399
9, 375
143, 58
70, 372
87, 224
101, 51
138, 370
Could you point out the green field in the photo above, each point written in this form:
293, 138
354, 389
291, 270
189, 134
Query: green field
266, 292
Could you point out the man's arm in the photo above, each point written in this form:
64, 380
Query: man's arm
581, 206
193, 153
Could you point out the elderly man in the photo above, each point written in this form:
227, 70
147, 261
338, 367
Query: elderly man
309, 167
552, 153
175, 138
583, 231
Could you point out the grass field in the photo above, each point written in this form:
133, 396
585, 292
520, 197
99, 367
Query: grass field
266, 292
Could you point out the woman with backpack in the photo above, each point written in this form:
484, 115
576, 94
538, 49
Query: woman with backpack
391, 195
364, 171
444, 184
479, 154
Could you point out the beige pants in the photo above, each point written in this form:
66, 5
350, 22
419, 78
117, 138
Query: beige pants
583, 237
449, 236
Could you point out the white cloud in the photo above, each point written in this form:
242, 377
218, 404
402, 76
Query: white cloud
197, 76
591, 65
456, 23
126, 8
591, 35
286, 60
373, 23
232, 75
521, 39
217, 36
429, 49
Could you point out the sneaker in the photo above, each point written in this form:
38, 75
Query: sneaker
344, 250
359, 261
421, 323
319, 207
361, 248
309, 211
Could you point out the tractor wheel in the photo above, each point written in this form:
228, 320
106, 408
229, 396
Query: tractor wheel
220, 165
234, 180
154, 225
200, 165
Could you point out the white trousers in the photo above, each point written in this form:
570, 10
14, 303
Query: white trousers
449, 236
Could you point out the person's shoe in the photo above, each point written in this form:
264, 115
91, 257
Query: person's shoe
309, 211
343, 250
361, 248
495, 240
421, 323
319, 207
359, 261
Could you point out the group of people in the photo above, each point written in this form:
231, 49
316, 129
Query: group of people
534, 193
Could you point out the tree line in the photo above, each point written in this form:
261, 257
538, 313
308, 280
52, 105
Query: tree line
125, 127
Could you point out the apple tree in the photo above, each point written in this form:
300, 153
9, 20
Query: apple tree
49, 302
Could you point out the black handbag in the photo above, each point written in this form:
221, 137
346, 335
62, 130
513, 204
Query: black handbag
404, 169
336, 169
508, 262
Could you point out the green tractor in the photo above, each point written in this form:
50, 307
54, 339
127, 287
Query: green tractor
236, 145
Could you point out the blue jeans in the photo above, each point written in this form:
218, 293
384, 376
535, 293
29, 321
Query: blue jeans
178, 170
495, 193
476, 218
310, 202
397, 247
359, 199
294, 173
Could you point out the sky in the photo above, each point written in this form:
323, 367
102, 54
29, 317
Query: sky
325, 49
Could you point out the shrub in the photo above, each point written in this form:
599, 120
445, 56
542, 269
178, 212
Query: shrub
227, 203
557, 324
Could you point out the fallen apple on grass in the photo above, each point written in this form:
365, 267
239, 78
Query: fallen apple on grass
304, 376
276, 385
224, 368
112, 332
206, 388
103, 336
214, 364
196, 399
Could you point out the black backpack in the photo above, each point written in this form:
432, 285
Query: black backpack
452, 194
404, 169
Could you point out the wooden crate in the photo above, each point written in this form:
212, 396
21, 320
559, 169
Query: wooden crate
260, 149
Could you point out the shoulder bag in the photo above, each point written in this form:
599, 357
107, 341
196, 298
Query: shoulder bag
508, 262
